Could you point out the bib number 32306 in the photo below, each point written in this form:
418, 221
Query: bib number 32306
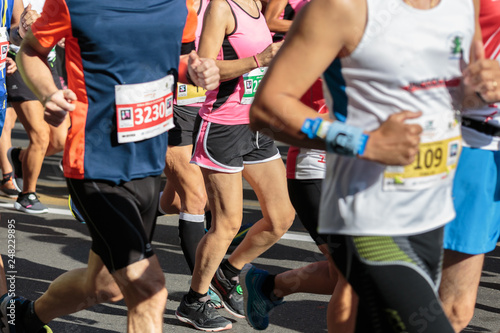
144, 110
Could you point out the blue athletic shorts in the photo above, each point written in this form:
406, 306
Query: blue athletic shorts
476, 194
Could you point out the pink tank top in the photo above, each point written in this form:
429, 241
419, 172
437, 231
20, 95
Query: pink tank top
251, 36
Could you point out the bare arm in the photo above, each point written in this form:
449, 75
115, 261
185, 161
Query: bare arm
17, 11
311, 45
274, 9
482, 76
31, 61
219, 22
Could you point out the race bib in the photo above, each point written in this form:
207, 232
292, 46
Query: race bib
188, 94
4, 47
251, 81
144, 110
437, 156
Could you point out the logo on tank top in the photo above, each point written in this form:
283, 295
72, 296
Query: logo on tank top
455, 45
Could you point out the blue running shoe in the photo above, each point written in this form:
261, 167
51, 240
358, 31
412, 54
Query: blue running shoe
215, 299
257, 305
76, 214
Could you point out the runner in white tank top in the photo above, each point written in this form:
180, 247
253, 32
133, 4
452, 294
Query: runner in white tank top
387, 227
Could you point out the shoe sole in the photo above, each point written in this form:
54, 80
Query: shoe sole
190, 322
227, 307
21, 208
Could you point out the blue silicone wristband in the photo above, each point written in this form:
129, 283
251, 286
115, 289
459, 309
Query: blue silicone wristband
345, 139
310, 127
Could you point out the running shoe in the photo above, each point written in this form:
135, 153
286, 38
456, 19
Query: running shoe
229, 292
241, 234
215, 299
17, 166
29, 203
257, 305
8, 188
202, 316
76, 214
8, 307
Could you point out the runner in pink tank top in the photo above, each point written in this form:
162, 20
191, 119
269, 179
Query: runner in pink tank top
226, 149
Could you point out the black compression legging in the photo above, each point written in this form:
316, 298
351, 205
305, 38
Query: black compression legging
396, 279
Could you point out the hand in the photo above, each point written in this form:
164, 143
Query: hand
28, 17
62, 43
394, 142
57, 105
268, 54
483, 75
203, 71
11, 66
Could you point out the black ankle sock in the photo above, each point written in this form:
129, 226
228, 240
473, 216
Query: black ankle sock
268, 287
31, 322
229, 270
190, 234
7, 176
192, 296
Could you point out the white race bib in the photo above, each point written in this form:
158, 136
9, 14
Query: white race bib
144, 110
4, 47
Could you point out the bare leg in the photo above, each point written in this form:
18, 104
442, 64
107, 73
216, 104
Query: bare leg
3, 281
342, 308
5, 140
459, 285
142, 284
268, 180
30, 114
225, 194
316, 278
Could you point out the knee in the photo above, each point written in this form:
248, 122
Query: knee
39, 140
148, 286
282, 222
106, 291
460, 314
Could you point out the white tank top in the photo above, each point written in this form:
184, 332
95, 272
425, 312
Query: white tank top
407, 59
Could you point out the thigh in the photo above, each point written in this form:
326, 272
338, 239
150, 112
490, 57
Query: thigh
121, 218
268, 180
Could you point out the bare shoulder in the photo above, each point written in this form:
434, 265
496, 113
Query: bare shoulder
347, 17
219, 7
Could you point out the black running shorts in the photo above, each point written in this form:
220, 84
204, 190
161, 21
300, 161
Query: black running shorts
121, 218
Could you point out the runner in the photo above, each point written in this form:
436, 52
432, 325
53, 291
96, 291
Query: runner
44, 140
476, 229
384, 221
118, 82
226, 150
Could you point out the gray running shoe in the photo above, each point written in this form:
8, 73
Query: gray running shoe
29, 203
230, 293
202, 316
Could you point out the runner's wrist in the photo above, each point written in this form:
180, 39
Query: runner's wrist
256, 60
340, 138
